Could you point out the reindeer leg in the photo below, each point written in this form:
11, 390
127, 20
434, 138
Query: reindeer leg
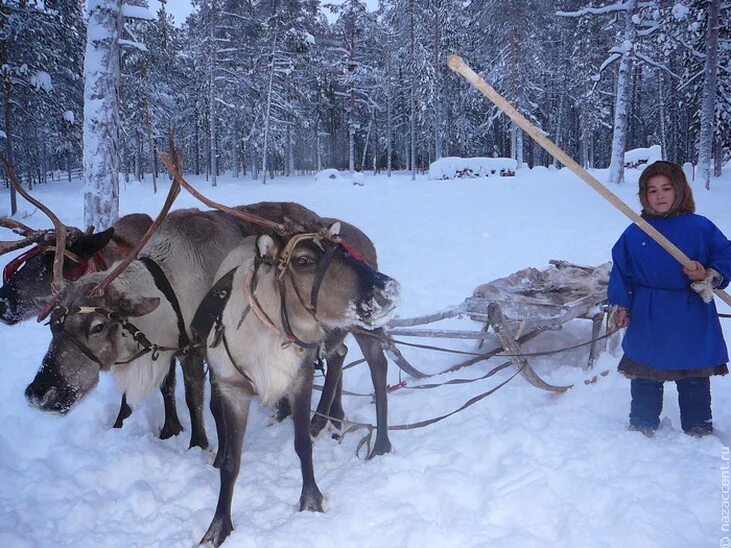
194, 376
373, 353
233, 414
311, 497
333, 377
217, 412
336, 408
124, 411
172, 426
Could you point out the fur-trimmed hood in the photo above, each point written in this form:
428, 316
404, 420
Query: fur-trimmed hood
683, 203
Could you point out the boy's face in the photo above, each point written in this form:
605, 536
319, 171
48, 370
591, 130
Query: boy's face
660, 193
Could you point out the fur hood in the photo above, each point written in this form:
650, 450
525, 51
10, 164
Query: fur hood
683, 203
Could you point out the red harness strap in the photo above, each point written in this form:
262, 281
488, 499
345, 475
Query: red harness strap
95, 263
352, 251
12, 267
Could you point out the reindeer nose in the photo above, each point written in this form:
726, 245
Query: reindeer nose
46, 394
39, 394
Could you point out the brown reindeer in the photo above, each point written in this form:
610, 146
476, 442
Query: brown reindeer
281, 295
133, 329
27, 282
360, 246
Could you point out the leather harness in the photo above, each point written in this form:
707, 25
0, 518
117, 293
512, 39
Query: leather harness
60, 313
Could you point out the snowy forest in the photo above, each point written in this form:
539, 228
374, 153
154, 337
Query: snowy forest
274, 87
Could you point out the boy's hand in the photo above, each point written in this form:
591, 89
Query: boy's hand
696, 275
621, 317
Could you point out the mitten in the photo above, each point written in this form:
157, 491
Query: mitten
705, 287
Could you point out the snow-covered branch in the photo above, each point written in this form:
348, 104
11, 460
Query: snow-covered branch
137, 12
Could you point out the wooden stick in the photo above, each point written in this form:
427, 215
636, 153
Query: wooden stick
457, 64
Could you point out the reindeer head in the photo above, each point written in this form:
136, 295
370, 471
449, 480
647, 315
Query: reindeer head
321, 277
89, 335
27, 279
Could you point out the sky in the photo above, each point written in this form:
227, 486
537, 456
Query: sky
182, 8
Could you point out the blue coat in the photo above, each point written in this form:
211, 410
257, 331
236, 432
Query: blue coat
670, 326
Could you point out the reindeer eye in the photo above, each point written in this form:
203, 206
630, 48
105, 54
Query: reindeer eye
303, 261
96, 329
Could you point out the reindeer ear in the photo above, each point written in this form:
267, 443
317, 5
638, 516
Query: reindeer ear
265, 245
334, 229
138, 306
88, 244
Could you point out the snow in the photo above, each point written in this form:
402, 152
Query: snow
520, 468
131, 44
640, 156
137, 12
42, 80
3, 135
453, 167
68, 116
680, 11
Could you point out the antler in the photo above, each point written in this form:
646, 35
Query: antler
58, 282
30, 236
176, 171
172, 195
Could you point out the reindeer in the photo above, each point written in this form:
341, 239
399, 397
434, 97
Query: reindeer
278, 297
27, 281
135, 326
369, 341
26, 288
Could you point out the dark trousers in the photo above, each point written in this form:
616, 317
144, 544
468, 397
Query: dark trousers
694, 399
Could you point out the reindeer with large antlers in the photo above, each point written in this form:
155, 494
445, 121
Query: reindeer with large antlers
28, 279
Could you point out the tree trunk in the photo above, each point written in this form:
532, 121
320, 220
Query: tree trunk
717, 157
101, 114
661, 115
708, 104
8, 98
438, 65
412, 45
212, 122
389, 110
197, 144
619, 140
265, 158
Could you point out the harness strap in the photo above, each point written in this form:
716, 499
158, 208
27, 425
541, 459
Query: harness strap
59, 320
212, 305
322, 267
285, 321
163, 284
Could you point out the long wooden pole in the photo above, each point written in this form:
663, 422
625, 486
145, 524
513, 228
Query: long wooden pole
457, 64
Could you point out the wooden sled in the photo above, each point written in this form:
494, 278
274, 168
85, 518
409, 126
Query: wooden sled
520, 307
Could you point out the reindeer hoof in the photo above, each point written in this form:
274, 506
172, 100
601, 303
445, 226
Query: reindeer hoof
170, 429
317, 425
198, 441
381, 448
312, 501
219, 529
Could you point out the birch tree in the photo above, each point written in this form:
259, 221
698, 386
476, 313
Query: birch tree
101, 114
708, 104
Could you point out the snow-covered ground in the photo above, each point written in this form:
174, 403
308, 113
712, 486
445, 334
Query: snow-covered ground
520, 468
